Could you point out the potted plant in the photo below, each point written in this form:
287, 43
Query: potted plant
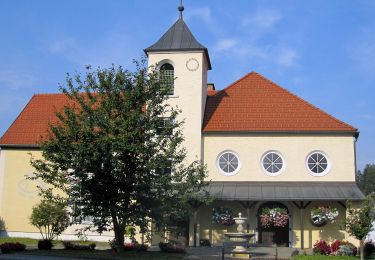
222, 216
322, 215
277, 217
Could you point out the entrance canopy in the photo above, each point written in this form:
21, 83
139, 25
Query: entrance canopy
285, 191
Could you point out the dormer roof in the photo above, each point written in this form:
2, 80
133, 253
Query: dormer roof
178, 38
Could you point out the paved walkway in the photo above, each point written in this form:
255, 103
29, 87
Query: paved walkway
206, 253
211, 253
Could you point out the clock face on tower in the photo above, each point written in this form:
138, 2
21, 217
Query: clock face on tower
192, 64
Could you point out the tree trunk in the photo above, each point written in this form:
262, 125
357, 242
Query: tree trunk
362, 249
119, 230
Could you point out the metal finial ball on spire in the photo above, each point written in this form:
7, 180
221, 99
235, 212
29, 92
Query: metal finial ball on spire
181, 9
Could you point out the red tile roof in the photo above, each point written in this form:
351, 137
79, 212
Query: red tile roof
33, 121
251, 104
256, 104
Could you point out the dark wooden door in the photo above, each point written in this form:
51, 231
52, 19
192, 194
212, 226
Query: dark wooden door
272, 234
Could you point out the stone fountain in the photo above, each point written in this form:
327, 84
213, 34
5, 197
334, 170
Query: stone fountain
239, 236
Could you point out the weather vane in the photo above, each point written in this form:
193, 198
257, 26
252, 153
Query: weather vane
181, 9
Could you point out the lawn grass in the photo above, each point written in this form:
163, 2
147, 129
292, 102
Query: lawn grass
104, 254
34, 242
328, 257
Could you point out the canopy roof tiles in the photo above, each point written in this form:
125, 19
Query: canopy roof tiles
285, 191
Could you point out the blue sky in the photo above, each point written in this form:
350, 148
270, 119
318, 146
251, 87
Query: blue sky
323, 51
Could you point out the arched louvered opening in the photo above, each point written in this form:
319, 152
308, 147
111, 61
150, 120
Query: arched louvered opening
167, 77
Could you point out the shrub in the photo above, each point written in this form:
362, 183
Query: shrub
45, 244
295, 253
71, 246
204, 242
369, 248
7, 248
335, 246
51, 218
321, 248
352, 247
133, 246
345, 250
171, 248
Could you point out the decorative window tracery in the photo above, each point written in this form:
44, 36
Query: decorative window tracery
166, 76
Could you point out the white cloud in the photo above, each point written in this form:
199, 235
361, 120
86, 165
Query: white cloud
286, 57
225, 44
263, 19
362, 52
368, 116
16, 80
202, 13
115, 48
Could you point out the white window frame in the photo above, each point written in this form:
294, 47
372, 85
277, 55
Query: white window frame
321, 174
226, 173
275, 173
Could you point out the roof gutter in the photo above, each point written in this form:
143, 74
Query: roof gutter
18, 146
341, 133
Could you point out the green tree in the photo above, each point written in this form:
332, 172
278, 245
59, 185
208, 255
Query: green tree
50, 218
358, 222
111, 149
366, 179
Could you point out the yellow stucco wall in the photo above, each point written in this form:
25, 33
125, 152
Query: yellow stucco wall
294, 148
18, 194
190, 91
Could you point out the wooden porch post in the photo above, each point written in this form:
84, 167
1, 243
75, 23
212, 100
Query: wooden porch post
302, 226
302, 207
195, 205
195, 226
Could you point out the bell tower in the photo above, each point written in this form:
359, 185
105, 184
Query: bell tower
178, 53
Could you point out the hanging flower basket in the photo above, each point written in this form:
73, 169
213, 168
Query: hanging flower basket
277, 217
322, 215
222, 216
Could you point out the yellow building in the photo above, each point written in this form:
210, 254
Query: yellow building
265, 150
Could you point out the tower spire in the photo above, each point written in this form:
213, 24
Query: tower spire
181, 9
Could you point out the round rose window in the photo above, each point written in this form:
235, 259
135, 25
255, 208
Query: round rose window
272, 163
317, 164
228, 163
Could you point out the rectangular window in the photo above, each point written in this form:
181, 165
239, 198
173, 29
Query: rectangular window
167, 170
165, 126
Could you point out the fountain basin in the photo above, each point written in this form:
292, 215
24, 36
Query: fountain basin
239, 237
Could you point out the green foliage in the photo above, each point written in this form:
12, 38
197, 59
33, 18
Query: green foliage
366, 179
107, 147
50, 218
358, 222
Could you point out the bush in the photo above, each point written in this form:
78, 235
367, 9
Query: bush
204, 242
345, 250
45, 244
335, 246
133, 246
51, 218
71, 246
7, 248
321, 248
352, 247
369, 248
171, 248
295, 253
